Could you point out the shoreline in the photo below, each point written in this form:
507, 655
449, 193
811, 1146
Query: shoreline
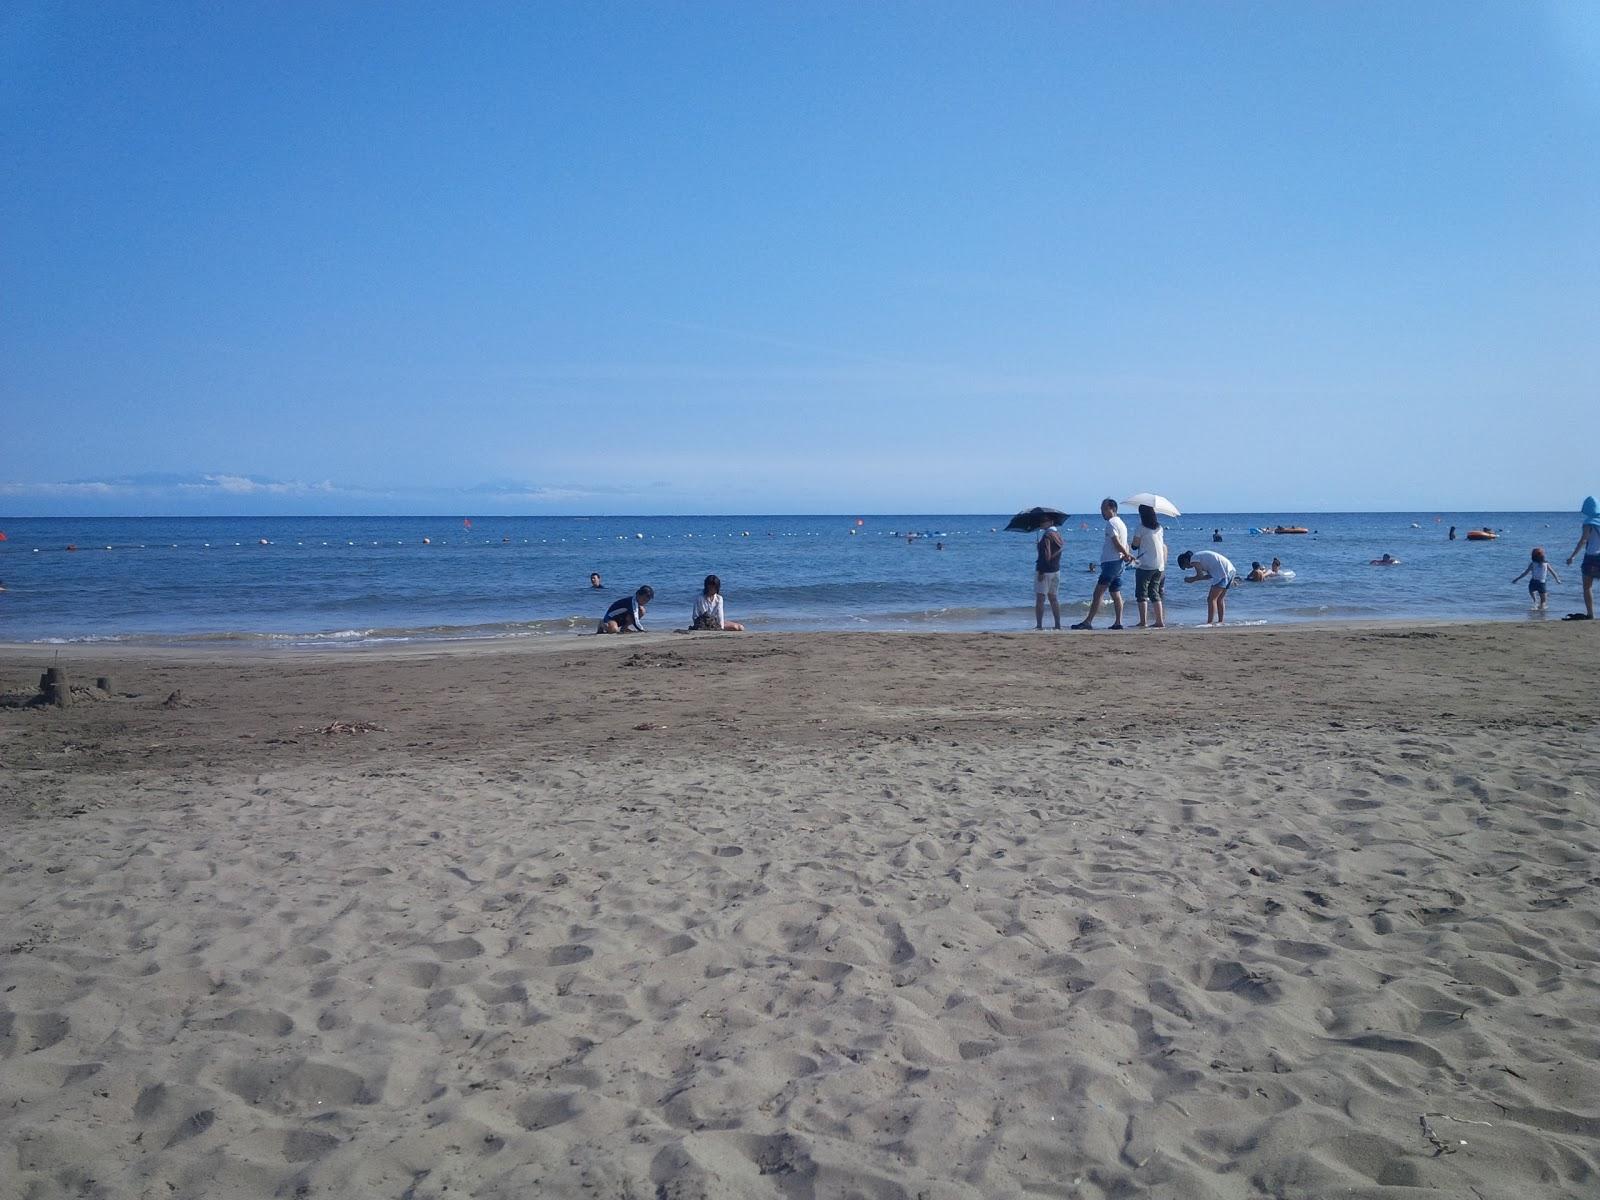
279, 645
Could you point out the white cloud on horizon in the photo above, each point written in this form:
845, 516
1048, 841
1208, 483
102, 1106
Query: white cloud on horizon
245, 485
232, 485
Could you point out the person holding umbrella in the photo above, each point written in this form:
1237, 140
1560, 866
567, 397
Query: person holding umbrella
1114, 555
1047, 559
1149, 545
1047, 576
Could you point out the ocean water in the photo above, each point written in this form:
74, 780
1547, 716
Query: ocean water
306, 581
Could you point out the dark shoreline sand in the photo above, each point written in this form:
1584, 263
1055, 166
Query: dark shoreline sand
950, 915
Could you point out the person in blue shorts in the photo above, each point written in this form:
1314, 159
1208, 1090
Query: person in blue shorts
1209, 565
1536, 570
1114, 555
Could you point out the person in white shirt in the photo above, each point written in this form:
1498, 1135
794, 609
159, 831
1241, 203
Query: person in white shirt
1114, 556
1536, 570
1208, 564
1149, 547
707, 612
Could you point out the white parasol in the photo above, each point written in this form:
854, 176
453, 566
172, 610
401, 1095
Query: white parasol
1160, 503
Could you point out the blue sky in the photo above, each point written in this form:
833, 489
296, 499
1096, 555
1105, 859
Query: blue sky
774, 258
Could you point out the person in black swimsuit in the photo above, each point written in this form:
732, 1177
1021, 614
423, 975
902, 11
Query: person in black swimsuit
627, 614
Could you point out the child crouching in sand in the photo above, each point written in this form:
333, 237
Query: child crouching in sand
1536, 570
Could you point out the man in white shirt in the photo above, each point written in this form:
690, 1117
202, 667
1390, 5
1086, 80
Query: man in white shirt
1114, 555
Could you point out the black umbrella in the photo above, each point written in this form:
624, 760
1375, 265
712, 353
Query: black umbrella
1036, 519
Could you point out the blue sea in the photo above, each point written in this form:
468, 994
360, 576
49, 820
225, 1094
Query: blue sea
340, 581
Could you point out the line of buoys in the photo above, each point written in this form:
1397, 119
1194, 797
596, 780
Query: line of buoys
640, 536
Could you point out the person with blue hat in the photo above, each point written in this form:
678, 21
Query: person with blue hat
1589, 543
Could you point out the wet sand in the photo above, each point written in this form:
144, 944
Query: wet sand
1237, 913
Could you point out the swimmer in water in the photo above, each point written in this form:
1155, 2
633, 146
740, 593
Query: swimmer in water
594, 579
1388, 560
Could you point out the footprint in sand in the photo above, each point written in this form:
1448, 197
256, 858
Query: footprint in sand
569, 955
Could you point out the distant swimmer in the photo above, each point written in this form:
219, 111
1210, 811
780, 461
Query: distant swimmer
627, 614
1216, 535
1452, 533
1536, 570
594, 579
1388, 560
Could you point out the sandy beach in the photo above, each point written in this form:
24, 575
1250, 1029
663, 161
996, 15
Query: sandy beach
1235, 913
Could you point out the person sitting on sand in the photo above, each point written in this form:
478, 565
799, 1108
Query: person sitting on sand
1388, 560
627, 614
1257, 573
594, 579
1537, 569
707, 612
1589, 543
1208, 564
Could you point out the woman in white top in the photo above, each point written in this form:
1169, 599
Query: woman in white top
1150, 564
707, 612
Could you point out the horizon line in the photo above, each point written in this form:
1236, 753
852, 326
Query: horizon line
842, 515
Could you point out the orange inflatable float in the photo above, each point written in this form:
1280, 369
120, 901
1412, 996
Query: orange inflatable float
1481, 535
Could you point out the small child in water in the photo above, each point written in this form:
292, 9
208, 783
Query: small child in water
1536, 570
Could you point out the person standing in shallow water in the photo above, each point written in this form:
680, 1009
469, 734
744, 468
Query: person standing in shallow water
1209, 566
1047, 576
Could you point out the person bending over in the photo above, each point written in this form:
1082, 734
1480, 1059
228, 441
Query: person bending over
1209, 565
627, 614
